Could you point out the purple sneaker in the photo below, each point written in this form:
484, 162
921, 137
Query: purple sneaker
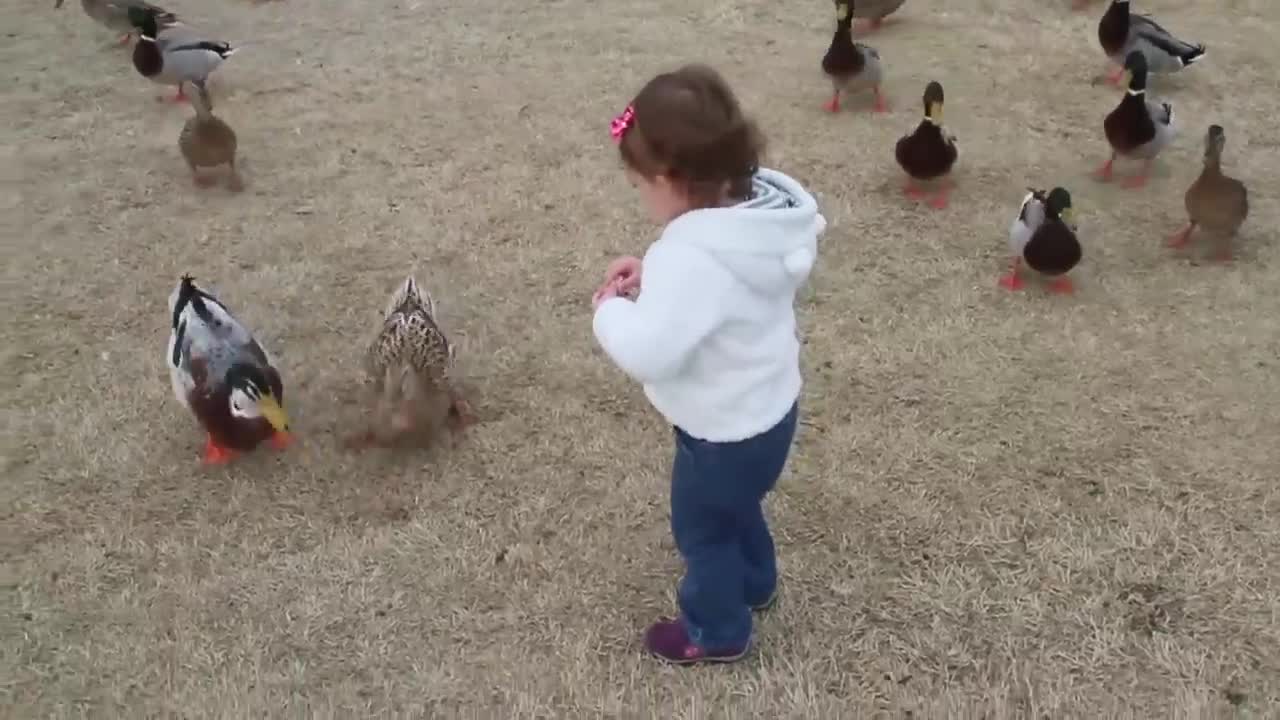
668, 640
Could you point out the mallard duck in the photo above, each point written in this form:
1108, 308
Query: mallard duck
1137, 128
929, 153
206, 141
114, 14
410, 363
873, 11
175, 55
1215, 202
223, 376
1043, 236
1120, 33
851, 66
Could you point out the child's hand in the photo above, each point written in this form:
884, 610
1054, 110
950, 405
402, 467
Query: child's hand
624, 270
607, 291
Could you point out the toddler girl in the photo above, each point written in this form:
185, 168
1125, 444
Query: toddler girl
706, 322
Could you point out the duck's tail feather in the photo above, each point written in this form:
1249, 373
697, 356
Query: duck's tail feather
1195, 53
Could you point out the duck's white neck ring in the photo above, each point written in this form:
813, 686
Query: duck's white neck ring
1131, 91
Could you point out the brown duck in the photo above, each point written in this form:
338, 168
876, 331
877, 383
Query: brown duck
1215, 202
411, 366
206, 141
929, 153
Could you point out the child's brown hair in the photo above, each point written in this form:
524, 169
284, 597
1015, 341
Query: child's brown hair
688, 126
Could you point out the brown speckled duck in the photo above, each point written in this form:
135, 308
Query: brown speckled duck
1215, 202
206, 141
410, 363
928, 153
852, 67
1138, 128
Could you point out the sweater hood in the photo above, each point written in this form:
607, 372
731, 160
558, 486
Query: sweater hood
768, 242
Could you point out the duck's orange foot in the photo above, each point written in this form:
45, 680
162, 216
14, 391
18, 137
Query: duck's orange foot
939, 201
881, 106
1105, 172
870, 26
832, 105
1011, 281
1180, 238
215, 454
1134, 181
281, 440
124, 39
912, 191
1061, 285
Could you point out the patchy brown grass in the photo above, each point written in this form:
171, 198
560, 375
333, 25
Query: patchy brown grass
999, 506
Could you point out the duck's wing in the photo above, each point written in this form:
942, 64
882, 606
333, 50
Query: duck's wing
203, 328
194, 59
1030, 216
1164, 51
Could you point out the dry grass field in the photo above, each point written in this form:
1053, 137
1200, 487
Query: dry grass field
999, 506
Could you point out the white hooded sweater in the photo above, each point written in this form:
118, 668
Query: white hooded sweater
712, 334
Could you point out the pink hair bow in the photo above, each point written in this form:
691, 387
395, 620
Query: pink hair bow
622, 124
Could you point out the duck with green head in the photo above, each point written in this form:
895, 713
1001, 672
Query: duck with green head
852, 67
223, 376
1137, 128
175, 55
114, 15
1043, 237
929, 153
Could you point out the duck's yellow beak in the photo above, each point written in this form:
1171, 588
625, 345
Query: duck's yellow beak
935, 113
1125, 78
271, 410
842, 11
1068, 216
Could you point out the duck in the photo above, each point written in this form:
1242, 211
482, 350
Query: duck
223, 376
1216, 202
1043, 237
175, 55
874, 12
410, 364
929, 153
114, 15
1137, 128
207, 141
851, 66
1121, 32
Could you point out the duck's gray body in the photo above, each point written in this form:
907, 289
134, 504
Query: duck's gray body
188, 57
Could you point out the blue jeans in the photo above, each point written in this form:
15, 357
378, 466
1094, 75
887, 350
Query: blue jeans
717, 518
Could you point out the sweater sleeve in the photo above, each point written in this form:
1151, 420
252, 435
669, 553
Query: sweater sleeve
680, 303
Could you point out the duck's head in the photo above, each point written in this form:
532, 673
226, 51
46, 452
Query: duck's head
144, 19
1058, 205
844, 13
933, 102
1135, 72
251, 397
1214, 141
